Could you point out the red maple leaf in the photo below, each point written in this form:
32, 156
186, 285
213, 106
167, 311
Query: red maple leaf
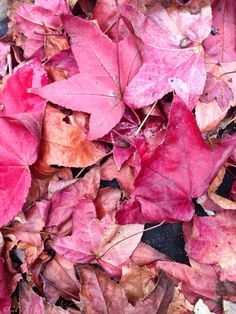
181, 169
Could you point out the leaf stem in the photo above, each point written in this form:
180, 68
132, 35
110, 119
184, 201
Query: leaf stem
145, 119
230, 72
130, 236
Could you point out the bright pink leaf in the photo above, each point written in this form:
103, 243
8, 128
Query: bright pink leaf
211, 240
100, 81
181, 169
221, 44
29, 75
20, 123
18, 150
172, 52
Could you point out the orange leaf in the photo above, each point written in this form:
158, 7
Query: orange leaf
64, 144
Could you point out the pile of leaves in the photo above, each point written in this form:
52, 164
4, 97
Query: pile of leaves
117, 118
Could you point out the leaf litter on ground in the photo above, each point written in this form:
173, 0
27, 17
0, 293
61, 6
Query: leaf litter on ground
115, 114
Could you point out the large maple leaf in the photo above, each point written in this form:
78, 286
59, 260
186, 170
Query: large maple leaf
173, 57
102, 240
105, 69
181, 169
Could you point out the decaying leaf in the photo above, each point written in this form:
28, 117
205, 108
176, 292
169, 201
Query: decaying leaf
63, 143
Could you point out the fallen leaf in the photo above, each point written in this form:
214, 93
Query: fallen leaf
30, 302
221, 44
192, 278
145, 254
99, 294
59, 279
137, 282
16, 157
219, 200
117, 245
211, 240
217, 89
87, 232
126, 175
31, 20
61, 66
107, 201
107, 15
25, 76
179, 304
102, 240
64, 144
101, 81
172, 50
181, 169
54, 44
209, 115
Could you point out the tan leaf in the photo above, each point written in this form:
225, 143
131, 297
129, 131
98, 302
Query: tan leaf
218, 199
179, 304
137, 282
64, 144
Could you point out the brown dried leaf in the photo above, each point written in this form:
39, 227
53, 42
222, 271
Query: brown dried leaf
137, 282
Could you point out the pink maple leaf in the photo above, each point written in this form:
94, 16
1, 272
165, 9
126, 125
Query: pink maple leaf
20, 122
103, 240
105, 69
173, 57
